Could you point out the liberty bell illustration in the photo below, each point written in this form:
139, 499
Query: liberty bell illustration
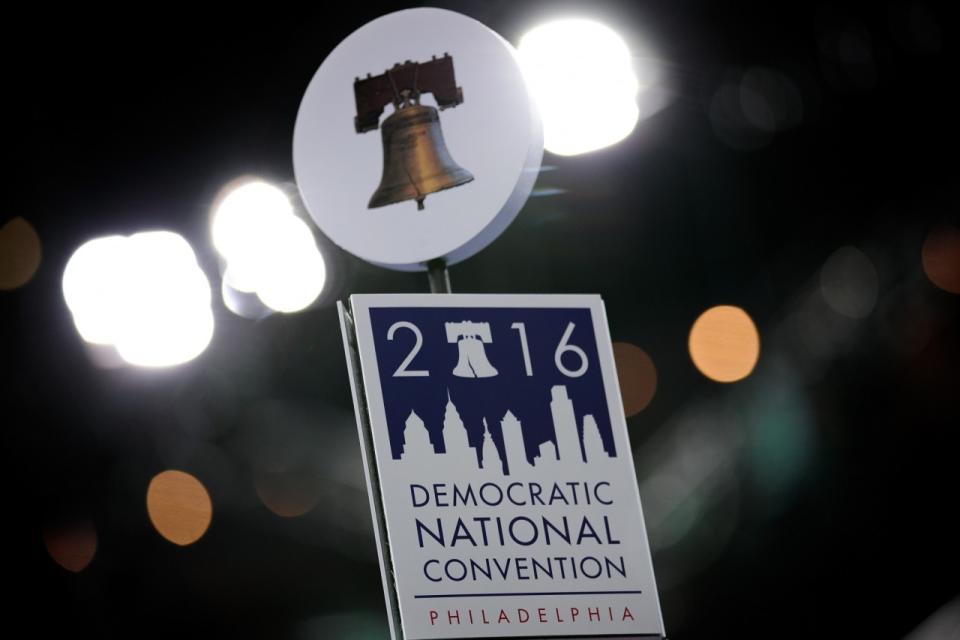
416, 161
470, 337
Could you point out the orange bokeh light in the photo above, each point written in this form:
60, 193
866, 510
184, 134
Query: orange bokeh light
19, 253
71, 546
941, 258
724, 343
288, 493
637, 375
179, 507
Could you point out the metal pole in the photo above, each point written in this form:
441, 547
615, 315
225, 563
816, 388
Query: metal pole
439, 276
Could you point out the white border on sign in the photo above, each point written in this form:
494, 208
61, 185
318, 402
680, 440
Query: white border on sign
361, 305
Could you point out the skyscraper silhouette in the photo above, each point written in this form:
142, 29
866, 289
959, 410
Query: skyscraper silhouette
490, 461
593, 448
416, 440
565, 425
455, 439
546, 456
513, 444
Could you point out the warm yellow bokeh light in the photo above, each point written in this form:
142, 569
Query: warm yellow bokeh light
71, 546
941, 258
724, 344
179, 507
637, 376
19, 253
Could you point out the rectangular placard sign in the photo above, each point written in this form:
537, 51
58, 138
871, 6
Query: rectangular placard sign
499, 468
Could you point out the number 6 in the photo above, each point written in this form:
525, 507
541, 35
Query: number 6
562, 348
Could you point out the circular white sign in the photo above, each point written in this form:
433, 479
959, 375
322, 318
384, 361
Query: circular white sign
487, 123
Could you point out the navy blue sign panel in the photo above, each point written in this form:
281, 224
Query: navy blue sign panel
499, 467
488, 363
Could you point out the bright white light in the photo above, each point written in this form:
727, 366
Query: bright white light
268, 249
145, 295
90, 282
294, 274
243, 214
581, 75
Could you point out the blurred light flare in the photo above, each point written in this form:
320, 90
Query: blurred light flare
849, 283
20, 253
752, 106
145, 295
268, 250
780, 444
245, 212
581, 75
242, 303
724, 343
288, 494
92, 286
72, 546
637, 376
671, 509
179, 507
940, 257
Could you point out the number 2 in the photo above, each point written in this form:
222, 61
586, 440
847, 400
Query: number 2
402, 371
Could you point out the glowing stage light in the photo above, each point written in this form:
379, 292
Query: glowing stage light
293, 273
269, 251
243, 214
179, 507
581, 75
724, 344
145, 295
92, 287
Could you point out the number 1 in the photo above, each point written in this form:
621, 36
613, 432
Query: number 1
522, 330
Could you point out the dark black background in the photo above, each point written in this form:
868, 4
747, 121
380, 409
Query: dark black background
121, 120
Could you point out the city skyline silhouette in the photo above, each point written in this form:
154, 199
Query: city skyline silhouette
419, 362
572, 441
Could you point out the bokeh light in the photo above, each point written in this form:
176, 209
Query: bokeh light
581, 75
847, 58
288, 494
144, 294
19, 253
179, 507
849, 283
71, 546
724, 343
751, 107
268, 250
779, 441
941, 258
246, 210
637, 375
